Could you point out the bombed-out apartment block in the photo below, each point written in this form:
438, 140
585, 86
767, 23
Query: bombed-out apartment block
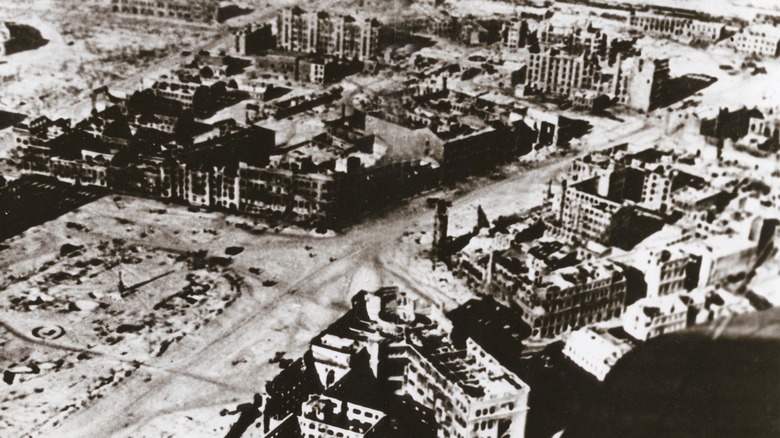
415, 378
312, 68
516, 34
586, 65
254, 39
567, 298
439, 23
205, 11
460, 149
554, 285
324, 33
749, 128
602, 184
583, 78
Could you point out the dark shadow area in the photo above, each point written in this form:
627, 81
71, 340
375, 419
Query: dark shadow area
23, 38
688, 384
8, 119
680, 88
31, 201
558, 389
495, 327
231, 11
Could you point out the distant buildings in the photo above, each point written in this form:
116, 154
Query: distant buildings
683, 26
760, 40
205, 11
327, 34
416, 379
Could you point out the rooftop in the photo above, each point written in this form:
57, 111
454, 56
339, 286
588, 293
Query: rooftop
463, 368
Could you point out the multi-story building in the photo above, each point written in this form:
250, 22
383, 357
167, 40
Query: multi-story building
252, 39
571, 297
677, 26
651, 317
582, 76
724, 256
190, 10
665, 271
587, 212
515, 34
763, 40
645, 85
183, 92
599, 185
595, 350
588, 67
557, 72
582, 38
326, 34
469, 392
405, 344
327, 416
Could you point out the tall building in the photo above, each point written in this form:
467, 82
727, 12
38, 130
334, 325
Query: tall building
561, 73
646, 86
327, 34
515, 34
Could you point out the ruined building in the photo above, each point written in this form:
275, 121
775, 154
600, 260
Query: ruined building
327, 34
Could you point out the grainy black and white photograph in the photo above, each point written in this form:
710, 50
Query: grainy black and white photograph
389, 218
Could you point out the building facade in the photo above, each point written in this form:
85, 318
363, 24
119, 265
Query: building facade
470, 393
762, 40
326, 34
572, 297
205, 11
684, 28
